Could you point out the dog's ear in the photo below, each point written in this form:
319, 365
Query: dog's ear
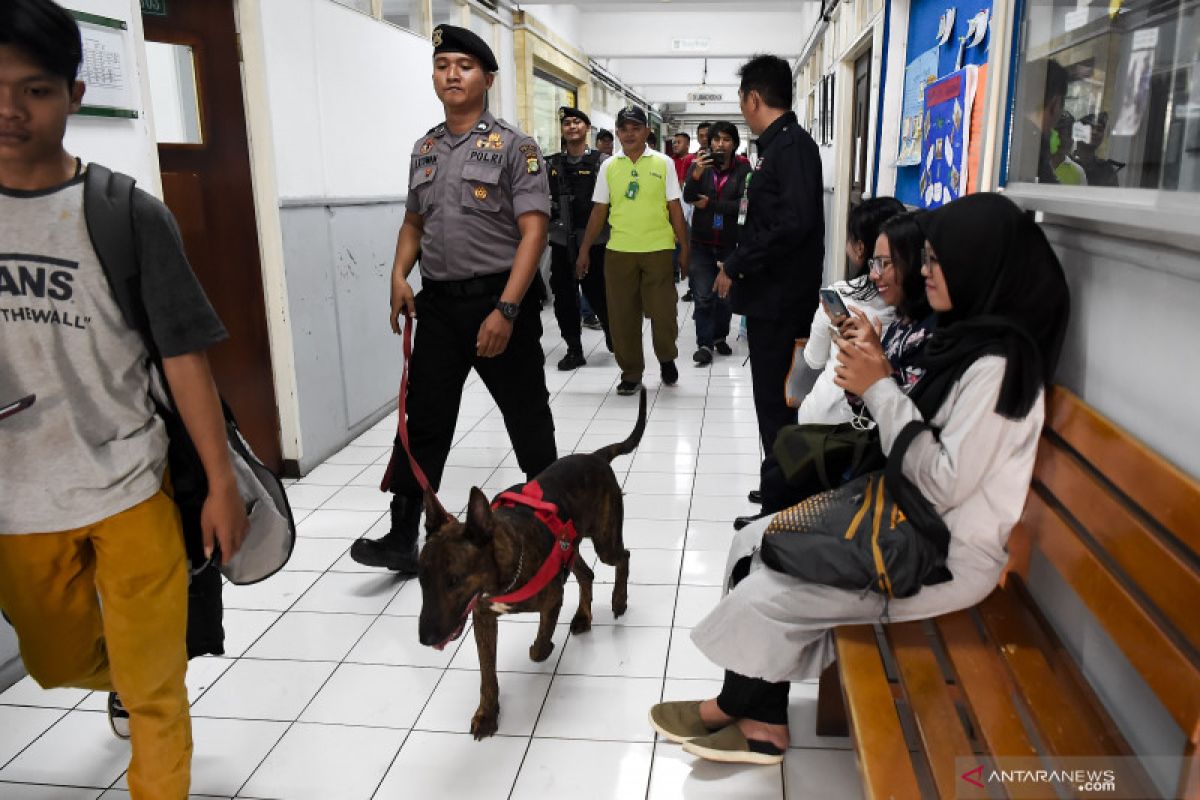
479, 518
435, 515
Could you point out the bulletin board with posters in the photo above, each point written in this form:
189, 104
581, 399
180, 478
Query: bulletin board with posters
926, 56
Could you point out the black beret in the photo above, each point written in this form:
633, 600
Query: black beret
452, 39
564, 112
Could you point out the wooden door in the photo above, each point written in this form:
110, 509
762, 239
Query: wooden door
860, 128
205, 164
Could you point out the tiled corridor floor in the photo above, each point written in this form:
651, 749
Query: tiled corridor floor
325, 692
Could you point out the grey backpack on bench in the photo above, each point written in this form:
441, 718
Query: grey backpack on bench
108, 208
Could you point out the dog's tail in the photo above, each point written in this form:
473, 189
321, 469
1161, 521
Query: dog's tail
624, 448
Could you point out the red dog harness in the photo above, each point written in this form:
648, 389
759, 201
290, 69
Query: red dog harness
562, 554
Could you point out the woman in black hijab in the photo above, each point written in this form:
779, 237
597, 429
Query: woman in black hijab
1002, 304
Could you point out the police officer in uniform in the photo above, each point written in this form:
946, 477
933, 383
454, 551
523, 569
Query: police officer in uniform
477, 213
572, 179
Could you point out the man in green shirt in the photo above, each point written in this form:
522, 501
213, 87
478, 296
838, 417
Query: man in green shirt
638, 194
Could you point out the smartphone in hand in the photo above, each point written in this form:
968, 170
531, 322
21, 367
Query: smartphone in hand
16, 406
834, 305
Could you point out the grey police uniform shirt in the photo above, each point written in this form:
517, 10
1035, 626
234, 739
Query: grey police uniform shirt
469, 191
91, 445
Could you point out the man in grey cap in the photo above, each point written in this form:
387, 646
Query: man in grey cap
477, 212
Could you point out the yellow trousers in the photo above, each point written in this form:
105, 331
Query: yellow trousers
105, 608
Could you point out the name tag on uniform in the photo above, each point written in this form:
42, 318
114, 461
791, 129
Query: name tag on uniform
425, 161
486, 157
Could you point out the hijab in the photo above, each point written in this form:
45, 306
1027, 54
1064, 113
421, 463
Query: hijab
1009, 296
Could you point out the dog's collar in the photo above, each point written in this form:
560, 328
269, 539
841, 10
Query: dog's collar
562, 551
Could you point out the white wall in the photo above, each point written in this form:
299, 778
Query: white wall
349, 96
566, 21
731, 33
126, 145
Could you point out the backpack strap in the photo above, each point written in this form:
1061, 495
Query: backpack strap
108, 211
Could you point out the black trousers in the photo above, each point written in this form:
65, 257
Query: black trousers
752, 698
566, 291
444, 355
771, 343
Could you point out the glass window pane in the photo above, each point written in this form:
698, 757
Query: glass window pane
1108, 94
358, 5
404, 13
173, 94
548, 95
446, 12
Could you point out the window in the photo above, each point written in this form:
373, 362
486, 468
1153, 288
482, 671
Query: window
1108, 95
405, 14
447, 12
358, 5
548, 94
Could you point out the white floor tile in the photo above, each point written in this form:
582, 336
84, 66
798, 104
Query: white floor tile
716, 508
26, 692
22, 725
331, 475
679, 483
668, 444
709, 535
821, 775
802, 720
649, 605
352, 454
371, 476
686, 661
690, 689
728, 464
407, 602
394, 640
676, 774
616, 650
718, 485
456, 698
694, 603
476, 456
664, 462
316, 555
79, 750
373, 695
243, 627
358, 498
584, 770
350, 593
586, 707
514, 636
326, 761
301, 495
454, 765
653, 534
33, 791
272, 690
302, 636
276, 593
374, 438
703, 567
645, 566
202, 673
325, 523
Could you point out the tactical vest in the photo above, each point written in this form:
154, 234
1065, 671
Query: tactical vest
573, 184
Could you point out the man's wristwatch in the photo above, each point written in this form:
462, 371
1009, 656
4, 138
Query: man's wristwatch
508, 310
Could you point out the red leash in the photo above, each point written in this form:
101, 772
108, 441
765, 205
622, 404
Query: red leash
402, 428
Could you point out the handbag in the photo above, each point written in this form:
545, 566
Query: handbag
876, 533
830, 454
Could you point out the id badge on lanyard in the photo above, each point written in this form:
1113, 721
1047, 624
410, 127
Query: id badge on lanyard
744, 203
719, 181
631, 190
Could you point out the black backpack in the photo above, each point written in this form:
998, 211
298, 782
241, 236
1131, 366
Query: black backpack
108, 210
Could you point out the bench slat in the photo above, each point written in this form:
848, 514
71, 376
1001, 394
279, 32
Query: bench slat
988, 693
883, 756
1169, 581
1155, 484
1167, 669
928, 695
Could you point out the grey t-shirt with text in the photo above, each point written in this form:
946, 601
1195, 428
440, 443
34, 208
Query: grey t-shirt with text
91, 445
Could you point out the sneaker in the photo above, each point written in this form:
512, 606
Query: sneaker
628, 387
730, 746
687, 296
592, 322
670, 375
118, 717
703, 357
572, 360
723, 348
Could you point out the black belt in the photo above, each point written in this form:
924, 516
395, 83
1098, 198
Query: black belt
480, 286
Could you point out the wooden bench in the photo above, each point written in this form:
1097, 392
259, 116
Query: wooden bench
1122, 528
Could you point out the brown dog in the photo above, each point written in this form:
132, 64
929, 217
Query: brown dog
494, 552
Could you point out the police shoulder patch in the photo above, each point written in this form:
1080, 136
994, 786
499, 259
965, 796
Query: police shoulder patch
532, 166
529, 149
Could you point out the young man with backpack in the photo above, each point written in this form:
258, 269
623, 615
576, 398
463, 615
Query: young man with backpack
93, 573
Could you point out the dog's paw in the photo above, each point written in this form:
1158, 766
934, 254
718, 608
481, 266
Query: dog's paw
485, 724
619, 607
581, 624
540, 653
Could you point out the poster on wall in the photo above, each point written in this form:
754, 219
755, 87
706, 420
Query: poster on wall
105, 69
919, 74
949, 104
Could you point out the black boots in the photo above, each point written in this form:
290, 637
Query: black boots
572, 360
398, 549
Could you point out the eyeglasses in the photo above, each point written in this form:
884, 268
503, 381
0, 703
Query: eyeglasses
928, 259
878, 265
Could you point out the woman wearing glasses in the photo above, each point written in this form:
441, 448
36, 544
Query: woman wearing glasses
1001, 302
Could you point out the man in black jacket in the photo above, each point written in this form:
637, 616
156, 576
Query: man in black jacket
774, 275
715, 185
